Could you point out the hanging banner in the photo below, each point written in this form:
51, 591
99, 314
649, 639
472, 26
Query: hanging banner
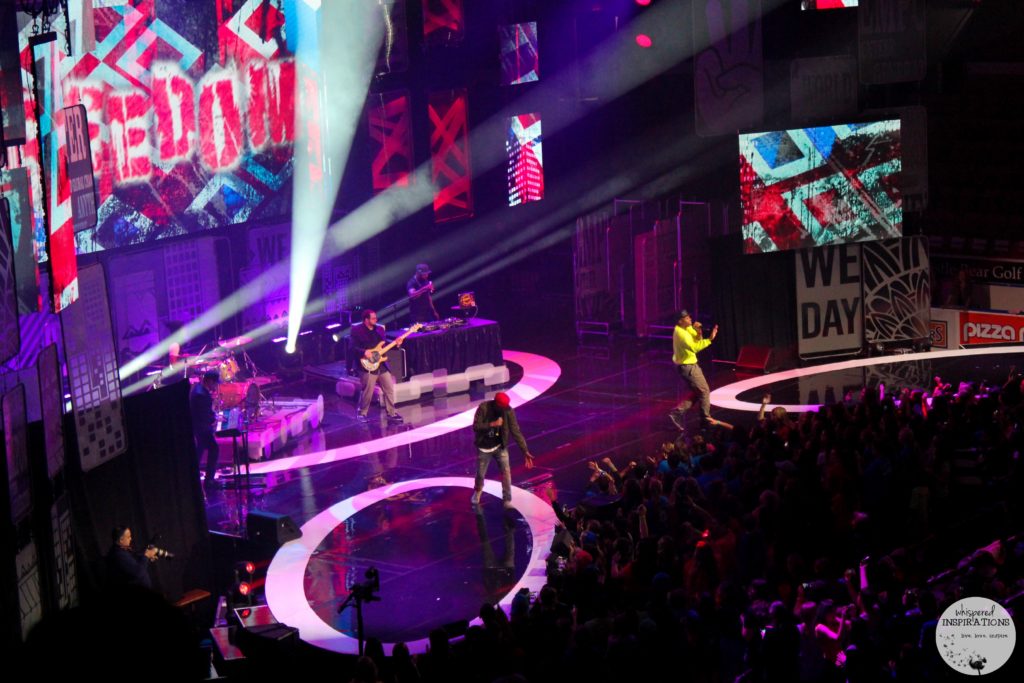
79, 160
92, 372
891, 39
19, 544
728, 73
135, 314
268, 246
10, 335
828, 299
14, 184
897, 290
12, 97
823, 88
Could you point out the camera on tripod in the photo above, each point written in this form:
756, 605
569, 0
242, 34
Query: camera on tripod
366, 591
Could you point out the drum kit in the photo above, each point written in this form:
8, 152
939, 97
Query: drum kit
236, 371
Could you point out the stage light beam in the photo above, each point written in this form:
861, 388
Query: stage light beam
342, 59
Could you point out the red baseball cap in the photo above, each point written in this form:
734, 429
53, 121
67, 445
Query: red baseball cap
502, 399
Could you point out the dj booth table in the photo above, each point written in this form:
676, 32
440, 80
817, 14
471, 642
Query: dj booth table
454, 349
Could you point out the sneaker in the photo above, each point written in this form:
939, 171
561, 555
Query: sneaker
395, 418
362, 418
677, 420
475, 498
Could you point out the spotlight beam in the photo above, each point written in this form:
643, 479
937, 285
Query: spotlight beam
350, 37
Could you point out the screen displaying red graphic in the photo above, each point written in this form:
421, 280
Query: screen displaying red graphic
191, 113
809, 187
390, 121
449, 155
525, 160
520, 58
59, 246
828, 4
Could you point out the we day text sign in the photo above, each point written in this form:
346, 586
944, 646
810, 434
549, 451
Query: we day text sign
828, 299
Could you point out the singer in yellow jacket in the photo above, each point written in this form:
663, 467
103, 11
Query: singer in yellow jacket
687, 341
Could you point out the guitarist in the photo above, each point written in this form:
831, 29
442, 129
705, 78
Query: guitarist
419, 287
365, 338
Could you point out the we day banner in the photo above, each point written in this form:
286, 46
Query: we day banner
828, 299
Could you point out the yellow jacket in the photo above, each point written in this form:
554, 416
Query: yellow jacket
686, 342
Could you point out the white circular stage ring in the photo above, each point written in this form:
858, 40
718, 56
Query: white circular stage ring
285, 587
726, 397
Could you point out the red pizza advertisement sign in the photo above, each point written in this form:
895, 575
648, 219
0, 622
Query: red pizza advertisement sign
990, 328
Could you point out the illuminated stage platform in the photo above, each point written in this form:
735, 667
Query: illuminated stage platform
400, 500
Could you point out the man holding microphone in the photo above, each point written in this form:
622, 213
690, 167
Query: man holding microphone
494, 425
687, 341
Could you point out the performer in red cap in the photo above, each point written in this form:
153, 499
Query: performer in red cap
493, 423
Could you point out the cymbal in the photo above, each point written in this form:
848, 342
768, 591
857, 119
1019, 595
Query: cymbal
235, 342
216, 353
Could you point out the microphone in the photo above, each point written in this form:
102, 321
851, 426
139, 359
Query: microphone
161, 553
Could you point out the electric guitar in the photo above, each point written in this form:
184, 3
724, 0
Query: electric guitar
429, 287
377, 353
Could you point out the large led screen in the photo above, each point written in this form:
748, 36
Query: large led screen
809, 187
190, 106
525, 160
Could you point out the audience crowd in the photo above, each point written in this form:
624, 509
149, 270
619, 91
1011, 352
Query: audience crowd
818, 547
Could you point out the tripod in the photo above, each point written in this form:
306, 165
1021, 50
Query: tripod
362, 592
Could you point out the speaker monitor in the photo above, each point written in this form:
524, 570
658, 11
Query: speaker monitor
396, 361
271, 528
754, 358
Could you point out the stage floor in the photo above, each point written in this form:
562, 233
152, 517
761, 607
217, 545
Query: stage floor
397, 499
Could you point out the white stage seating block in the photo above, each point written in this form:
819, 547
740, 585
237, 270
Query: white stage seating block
412, 389
406, 391
297, 424
456, 384
498, 375
475, 373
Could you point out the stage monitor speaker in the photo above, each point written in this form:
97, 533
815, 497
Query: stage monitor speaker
754, 358
396, 361
271, 528
268, 642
